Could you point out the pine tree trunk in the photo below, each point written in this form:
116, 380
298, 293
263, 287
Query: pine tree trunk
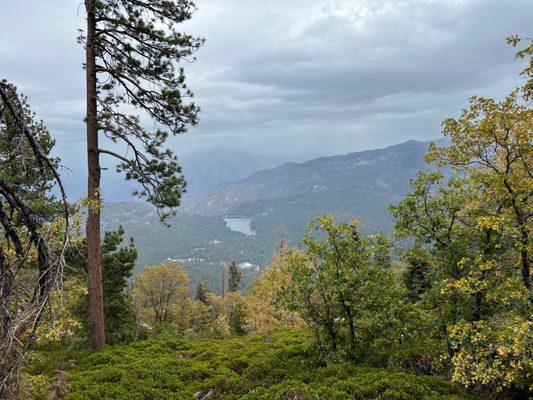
94, 262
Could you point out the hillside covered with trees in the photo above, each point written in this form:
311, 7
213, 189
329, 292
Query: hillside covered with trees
358, 185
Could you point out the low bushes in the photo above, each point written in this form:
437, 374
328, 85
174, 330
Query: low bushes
273, 366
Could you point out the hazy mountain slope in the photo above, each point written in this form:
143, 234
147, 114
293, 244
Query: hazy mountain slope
360, 184
204, 170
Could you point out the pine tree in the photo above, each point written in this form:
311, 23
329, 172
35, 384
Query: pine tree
202, 290
235, 277
416, 277
132, 47
222, 279
237, 319
381, 248
118, 263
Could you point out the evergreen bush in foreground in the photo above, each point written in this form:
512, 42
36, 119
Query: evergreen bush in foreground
274, 366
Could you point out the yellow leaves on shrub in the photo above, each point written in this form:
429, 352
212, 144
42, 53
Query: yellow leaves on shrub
59, 322
496, 354
263, 313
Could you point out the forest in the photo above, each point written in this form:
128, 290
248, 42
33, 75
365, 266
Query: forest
439, 308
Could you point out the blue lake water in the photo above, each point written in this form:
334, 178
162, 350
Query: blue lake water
239, 224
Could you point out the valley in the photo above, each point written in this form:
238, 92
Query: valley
278, 203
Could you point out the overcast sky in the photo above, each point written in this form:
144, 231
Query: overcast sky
291, 78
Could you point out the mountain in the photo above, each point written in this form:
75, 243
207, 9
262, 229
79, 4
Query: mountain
359, 184
203, 170
356, 185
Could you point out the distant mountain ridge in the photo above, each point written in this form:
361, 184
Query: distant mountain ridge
360, 183
204, 170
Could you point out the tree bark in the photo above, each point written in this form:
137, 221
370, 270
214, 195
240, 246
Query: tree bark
5, 291
94, 262
524, 236
524, 239
351, 325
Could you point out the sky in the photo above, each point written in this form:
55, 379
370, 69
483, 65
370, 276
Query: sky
293, 79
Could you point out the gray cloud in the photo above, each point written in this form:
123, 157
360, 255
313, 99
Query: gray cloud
296, 78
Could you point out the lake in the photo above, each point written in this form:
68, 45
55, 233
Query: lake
239, 224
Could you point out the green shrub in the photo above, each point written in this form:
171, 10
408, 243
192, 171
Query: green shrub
274, 366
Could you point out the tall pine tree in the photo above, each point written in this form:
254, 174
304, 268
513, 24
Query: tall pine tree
132, 47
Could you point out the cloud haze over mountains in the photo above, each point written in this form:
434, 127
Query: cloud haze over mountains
294, 79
